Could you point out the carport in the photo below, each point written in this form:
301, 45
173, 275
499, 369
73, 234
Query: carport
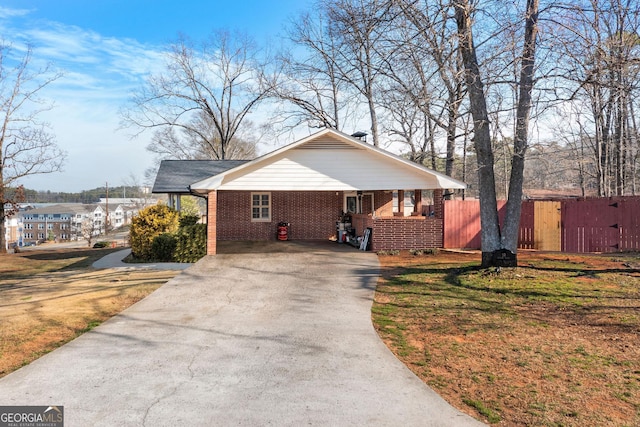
314, 182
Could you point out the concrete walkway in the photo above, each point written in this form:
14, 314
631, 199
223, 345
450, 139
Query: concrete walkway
114, 260
248, 339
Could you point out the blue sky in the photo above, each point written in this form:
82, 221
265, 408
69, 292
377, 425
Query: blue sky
106, 48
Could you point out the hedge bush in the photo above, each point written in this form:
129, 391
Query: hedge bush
163, 247
149, 223
186, 220
191, 243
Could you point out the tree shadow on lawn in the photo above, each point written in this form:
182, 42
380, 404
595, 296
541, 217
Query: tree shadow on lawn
86, 256
519, 291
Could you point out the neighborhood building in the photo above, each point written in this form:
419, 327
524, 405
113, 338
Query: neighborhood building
12, 228
55, 222
326, 186
64, 222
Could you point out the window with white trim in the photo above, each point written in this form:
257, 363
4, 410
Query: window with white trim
357, 202
408, 202
261, 207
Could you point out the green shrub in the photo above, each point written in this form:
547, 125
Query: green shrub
149, 223
187, 220
163, 247
191, 243
104, 244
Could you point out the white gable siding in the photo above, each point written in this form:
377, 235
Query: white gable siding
327, 161
306, 169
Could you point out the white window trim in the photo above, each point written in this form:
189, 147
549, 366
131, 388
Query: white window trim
408, 207
358, 201
348, 194
268, 207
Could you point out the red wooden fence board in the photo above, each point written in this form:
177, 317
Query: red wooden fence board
588, 225
462, 224
526, 237
600, 225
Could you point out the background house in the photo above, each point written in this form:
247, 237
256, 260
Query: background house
55, 222
13, 231
174, 177
64, 222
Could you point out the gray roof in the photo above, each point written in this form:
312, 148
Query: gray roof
175, 176
62, 208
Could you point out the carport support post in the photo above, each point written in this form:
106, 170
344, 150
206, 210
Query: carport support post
438, 203
417, 206
212, 217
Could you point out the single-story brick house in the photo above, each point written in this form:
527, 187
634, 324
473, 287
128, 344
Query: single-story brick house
320, 185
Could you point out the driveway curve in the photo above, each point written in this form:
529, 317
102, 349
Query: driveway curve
249, 339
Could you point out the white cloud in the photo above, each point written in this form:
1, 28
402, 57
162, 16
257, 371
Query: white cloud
99, 75
12, 13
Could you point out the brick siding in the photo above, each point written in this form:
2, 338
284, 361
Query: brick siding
406, 233
212, 223
312, 215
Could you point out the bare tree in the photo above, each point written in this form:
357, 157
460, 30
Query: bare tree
206, 90
312, 90
493, 238
188, 144
411, 124
600, 52
430, 54
362, 27
89, 230
26, 146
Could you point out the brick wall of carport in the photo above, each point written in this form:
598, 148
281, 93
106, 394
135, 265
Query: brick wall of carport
312, 215
403, 232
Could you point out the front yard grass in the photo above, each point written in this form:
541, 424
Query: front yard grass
553, 342
49, 297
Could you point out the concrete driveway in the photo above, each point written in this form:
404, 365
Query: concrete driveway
246, 338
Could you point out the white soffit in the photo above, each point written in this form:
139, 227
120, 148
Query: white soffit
328, 161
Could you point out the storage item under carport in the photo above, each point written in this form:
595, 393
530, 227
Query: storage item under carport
283, 230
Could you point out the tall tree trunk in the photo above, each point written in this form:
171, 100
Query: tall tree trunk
493, 241
3, 243
374, 120
490, 226
633, 130
453, 105
523, 112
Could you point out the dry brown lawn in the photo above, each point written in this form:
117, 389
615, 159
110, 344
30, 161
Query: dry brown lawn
49, 297
553, 342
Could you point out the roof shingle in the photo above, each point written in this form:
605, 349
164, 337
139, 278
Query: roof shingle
175, 176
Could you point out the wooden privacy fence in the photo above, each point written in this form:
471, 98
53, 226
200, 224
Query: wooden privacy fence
569, 225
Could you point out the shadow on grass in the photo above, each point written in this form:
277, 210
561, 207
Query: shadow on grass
86, 256
460, 289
